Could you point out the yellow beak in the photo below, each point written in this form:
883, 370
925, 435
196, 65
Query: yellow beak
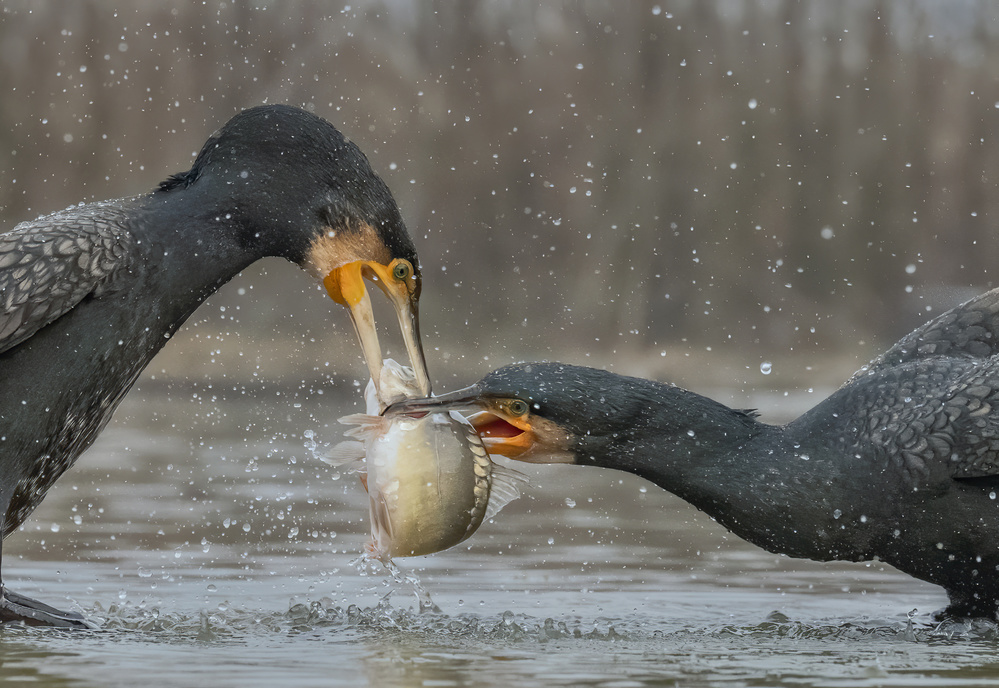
345, 285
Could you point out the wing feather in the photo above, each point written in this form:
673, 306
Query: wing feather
51, 264
970, 330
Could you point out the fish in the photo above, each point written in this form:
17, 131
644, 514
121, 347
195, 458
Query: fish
430, 481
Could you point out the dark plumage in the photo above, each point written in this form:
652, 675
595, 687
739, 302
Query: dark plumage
91, 293
900, 464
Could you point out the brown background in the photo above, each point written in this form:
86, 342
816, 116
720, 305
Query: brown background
678, 189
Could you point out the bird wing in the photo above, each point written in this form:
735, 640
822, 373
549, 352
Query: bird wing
972, 412
970, 330
953, 361
51, 264
936, 417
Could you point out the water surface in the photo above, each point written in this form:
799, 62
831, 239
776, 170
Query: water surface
213, 548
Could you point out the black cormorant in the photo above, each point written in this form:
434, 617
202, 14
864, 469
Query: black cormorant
91, 293
900, 464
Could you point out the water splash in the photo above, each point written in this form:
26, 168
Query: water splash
368, 564
384, 620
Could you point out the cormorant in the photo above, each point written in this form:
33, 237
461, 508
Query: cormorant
901, 464
91, 293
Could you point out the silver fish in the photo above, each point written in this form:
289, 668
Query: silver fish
430, 480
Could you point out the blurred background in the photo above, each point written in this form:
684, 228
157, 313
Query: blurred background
686, 190
748, 198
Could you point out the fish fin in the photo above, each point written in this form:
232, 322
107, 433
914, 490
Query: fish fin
381, 527
505, 488
344, 454
356, 419
366, 426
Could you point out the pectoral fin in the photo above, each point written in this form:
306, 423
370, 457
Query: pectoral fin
503, 489
345, 454
366, 428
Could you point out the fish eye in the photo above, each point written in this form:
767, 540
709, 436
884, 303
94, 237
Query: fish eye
517, 407
402, 270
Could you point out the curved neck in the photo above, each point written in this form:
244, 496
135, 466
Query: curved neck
771, 487
682, 441
190, 255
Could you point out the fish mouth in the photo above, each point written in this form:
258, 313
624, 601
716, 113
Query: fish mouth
501, 432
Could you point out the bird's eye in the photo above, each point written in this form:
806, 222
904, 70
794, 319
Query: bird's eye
402, 270
518, 407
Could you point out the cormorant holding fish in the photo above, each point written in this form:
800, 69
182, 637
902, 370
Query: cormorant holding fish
91, 293
900, 464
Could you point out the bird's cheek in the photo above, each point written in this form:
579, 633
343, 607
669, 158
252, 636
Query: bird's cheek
345, 284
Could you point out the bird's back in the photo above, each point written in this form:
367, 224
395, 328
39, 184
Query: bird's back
930, 404
916, 435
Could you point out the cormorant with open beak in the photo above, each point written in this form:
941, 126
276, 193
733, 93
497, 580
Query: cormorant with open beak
900, 464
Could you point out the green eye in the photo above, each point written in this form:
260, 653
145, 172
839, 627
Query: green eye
402, 270
518, 407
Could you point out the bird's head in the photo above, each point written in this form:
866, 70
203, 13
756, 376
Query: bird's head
543, 412
280, 181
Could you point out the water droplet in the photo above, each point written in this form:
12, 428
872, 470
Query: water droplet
766, 367
837, 513
752, 103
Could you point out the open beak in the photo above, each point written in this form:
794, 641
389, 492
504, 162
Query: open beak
346, 286
501, 433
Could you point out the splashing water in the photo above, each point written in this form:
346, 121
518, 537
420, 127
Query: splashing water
368, 564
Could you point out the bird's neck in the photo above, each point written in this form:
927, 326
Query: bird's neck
678, 439
195, 252
757, 480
